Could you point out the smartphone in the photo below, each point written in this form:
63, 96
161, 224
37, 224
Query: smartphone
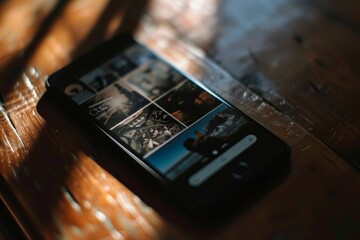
200, 148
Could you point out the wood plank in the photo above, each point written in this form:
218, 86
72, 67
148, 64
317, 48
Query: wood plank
299, 56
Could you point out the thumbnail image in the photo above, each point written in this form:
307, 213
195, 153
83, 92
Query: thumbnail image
114, 104
188, 102
203, 141
154, 79
78, 92
121, 65
98, 79
139, 54
147, 129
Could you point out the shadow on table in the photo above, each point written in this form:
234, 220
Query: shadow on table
44, 167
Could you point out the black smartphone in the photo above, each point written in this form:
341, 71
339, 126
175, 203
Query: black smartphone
203, 150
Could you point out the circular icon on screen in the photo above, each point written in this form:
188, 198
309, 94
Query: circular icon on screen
73, 89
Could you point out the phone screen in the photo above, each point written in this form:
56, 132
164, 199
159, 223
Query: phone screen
162, 117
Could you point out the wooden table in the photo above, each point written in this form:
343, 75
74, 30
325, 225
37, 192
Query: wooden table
293, 65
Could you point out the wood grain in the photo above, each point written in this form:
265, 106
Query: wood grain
297, 75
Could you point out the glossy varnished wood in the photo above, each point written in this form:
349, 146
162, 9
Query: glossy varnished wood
293, 67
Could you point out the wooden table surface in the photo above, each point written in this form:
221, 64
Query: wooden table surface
293, 65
